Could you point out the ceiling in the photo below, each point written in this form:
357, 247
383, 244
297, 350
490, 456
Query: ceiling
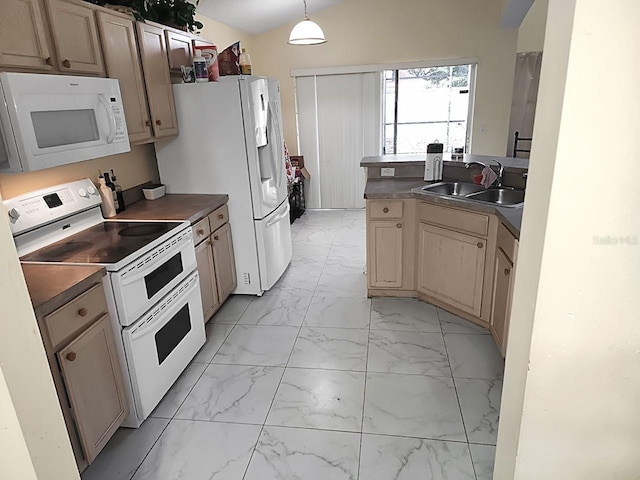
257, 16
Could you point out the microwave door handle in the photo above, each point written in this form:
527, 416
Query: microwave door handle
112, 118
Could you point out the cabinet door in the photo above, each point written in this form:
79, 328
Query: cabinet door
179, 50
23, 42
155, 67
75, 33
206, 272
501, 300
384, 254
224, 262
93, 379
122, 62
451, 267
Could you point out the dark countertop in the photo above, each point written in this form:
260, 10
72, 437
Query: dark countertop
401, 188
51, 286
417, 159
190, 207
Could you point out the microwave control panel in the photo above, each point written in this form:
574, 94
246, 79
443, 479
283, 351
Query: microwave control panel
44, 206
118, 114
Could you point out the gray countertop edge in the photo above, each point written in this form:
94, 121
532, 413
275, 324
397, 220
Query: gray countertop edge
417, 160
511, 217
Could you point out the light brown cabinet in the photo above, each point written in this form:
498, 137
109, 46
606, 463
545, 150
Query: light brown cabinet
503, 278
122, 61
157, 78
215, 260
75, 35
385, 253
23, 39
451, 267
179, 50
93, 381
81, 350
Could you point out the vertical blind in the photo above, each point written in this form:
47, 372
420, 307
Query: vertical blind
339, 122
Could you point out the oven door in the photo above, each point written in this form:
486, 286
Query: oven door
142, 283
161, 345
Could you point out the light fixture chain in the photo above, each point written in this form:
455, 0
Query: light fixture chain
305, 8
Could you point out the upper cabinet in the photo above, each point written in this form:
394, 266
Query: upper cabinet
23, 40
153, 51
122, 62
75, 34
179, 50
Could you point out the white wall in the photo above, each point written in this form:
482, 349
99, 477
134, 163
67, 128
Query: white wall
531, 32
28, 399
571, 382
223, 35
379, 31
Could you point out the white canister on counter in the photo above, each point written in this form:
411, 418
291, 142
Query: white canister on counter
433, 162
200, 68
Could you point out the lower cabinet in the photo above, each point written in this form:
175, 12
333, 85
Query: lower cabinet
215, 259
94, 384
385, 254
84, 362
451, 267
503, 278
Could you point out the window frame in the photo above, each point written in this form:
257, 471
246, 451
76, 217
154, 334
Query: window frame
395, 123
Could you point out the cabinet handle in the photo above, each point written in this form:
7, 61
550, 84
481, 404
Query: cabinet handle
66, 64
215, 237
48, 61
221, 216
398, 225
507, 271
158, 122
480, 244
82, 312
200, 232
147, 123
71, 356
385, 210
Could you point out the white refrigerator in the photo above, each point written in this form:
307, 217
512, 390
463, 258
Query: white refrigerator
231, 142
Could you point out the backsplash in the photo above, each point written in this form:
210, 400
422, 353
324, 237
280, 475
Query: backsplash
132, 168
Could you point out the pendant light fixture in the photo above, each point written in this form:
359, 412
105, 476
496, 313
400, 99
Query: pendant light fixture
306, 32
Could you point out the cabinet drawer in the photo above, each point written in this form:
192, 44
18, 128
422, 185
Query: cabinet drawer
218, 218
76, 315
201, 231
384, 209
455, 219
507, 242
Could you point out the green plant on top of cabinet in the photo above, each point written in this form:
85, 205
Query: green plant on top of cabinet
23, 39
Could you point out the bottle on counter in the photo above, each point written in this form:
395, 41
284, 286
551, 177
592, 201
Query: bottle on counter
245, 62
119, 195
112, 186
200, 67
108, 206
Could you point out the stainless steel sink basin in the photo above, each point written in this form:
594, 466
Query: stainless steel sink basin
503, 197
499, 196
457, 189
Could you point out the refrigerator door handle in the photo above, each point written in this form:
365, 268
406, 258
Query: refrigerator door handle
277, 146
278, 218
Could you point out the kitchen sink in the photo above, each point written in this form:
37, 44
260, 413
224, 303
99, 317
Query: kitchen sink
504, 197
499, 196
457, 189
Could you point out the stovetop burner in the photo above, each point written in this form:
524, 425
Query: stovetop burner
105, 243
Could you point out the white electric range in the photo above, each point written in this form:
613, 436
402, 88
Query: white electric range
152, 284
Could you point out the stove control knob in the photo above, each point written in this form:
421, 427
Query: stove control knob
83, 193
14, 215
91, 190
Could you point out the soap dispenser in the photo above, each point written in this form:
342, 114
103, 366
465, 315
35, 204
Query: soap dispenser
433, 162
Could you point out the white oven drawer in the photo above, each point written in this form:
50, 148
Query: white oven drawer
142, 283
160, 346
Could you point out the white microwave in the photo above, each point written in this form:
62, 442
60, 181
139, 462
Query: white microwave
51, 120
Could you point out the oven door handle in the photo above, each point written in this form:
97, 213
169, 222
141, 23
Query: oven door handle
175, 306
148, 268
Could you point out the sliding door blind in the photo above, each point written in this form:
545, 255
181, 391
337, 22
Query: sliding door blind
339, 122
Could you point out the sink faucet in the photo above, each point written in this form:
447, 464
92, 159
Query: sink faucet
500, 170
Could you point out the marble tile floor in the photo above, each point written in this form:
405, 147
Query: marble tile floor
316, 381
